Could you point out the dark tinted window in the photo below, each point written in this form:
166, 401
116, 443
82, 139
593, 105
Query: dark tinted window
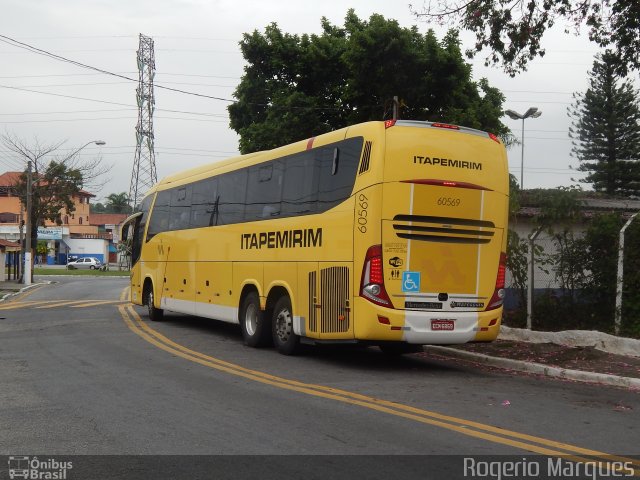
264, 191
141, 223
338, 165
204, 206
180, 208
300, 186
231, 192
159, 221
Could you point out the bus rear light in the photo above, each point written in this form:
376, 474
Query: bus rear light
372, 282
499, 293
446, 183
383, 320
389, 123
445, 125
494, 137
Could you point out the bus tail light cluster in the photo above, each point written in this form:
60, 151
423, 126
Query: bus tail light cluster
498, 294
372, 283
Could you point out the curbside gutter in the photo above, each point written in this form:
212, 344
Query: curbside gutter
538, 368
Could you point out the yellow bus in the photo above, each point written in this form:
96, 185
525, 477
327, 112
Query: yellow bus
385, 233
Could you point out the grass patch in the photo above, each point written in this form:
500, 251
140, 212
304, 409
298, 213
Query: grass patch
91, 273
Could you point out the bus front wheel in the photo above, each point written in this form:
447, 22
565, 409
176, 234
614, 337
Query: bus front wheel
254, 322
155, 314
284, 338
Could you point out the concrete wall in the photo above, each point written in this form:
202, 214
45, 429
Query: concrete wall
92, 247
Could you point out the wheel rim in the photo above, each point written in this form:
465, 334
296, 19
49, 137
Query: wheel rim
284, 325
251, 319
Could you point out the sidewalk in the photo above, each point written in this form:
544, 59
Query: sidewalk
524, 351
10, 286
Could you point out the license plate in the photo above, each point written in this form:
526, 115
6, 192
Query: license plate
439, 325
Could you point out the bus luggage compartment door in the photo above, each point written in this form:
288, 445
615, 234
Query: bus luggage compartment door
330, 302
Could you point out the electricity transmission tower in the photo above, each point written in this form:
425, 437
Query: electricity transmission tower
144, 174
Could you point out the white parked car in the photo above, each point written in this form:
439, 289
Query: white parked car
90, 263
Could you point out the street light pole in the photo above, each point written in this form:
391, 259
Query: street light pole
532, 112
29, 212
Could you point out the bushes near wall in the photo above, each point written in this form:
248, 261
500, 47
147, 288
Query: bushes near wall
584, 271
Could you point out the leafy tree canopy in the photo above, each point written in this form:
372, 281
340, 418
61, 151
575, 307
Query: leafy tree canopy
295, 87
118, 203
513, 29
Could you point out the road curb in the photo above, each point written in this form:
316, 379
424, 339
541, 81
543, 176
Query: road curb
538, 368
23, 289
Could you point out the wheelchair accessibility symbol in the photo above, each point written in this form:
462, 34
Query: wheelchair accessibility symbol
410, 281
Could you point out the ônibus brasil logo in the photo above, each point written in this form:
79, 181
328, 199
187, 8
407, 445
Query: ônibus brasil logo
32, 468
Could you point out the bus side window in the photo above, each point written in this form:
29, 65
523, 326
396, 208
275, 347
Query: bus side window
180, 208
231, 197
336, 184
159, 221
203, 203
136, 245
264, 191
300, 185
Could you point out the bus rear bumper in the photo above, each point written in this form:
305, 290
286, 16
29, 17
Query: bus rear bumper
425, 327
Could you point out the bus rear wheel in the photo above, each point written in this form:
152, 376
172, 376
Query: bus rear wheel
155, 314
254, 323
284, 338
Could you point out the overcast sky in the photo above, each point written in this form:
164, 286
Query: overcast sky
196, 49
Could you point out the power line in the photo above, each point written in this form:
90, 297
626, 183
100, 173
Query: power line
39, 51
121, 83
107, 102
64, 96
123, 73
69, 111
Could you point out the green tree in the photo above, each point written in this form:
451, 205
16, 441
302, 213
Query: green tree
295, 87
56, 179
513, 29
42, 249
118, 203
606, 130
98, 208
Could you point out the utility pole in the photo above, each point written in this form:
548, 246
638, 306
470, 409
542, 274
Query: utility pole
144, 174
396, 108
27, 253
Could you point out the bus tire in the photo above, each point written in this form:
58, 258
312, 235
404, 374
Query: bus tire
397, 349
254, 323
155, 314
284, 339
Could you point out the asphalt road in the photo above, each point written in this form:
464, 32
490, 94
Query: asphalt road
84, 373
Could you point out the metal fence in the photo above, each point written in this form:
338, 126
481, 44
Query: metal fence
554, 287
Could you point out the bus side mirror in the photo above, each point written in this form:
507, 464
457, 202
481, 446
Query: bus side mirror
125, 233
